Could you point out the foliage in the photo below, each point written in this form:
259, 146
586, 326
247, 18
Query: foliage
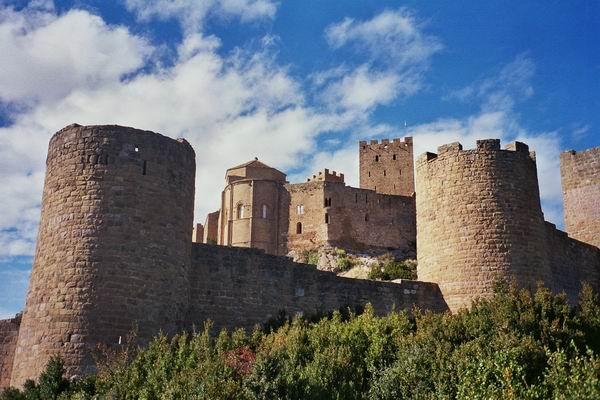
387, 268
345, 262
516, 345
311, 257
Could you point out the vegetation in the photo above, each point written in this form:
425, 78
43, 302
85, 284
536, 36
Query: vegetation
387, 269
345, 262
516, 345
311, 257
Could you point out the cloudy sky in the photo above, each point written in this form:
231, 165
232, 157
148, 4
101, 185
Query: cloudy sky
295, 83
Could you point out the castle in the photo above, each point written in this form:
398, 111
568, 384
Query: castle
260, 209
114, 248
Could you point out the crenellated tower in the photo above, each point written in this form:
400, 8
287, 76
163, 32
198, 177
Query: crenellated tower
479, 219
387, 166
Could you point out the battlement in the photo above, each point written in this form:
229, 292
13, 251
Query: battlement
485, 145
408, 140
326, 176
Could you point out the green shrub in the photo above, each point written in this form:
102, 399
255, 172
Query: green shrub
311, 257
345, 263
516, 345
387, 269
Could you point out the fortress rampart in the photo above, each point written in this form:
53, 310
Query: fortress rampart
580, 176
113, 247
9, 331
479, 219
241, 287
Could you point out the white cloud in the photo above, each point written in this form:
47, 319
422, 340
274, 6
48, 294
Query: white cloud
512, 84
192, 13
395, 52
393, 36
45, 57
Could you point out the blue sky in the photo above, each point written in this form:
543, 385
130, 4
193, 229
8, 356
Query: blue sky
295, 83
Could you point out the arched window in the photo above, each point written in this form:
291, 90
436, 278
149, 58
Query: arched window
376, 158
300, 209
264, 211
326, 218
299, 228
384, 173
240, 211
394, 157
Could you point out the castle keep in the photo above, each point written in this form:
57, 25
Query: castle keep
260, 209
115, 249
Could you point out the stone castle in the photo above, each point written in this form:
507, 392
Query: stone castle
260, 209
114, 248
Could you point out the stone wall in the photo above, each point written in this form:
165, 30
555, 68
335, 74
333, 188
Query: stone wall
479, 219
113, 246
572, 262
9, 331
238, 287
580, 173
211, 228
363, 219
331, 213
387, 166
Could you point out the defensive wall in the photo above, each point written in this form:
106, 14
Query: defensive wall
242, 287
479, 219
9, 331
580, 176
329, 212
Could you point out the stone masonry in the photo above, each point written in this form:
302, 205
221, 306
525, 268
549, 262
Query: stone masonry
260, 209
479, 219
114, 248
387, 166
9, 331
580, 175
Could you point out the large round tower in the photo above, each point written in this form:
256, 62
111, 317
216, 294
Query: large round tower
479, 219
113, 248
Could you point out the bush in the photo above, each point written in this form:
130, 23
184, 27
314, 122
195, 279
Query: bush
387, 269
311, 257
516, 345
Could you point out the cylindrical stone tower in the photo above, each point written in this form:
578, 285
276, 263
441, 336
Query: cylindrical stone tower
479, 219
114, 245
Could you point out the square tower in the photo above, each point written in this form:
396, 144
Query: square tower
387, 166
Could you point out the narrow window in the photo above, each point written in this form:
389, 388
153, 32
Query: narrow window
299, 228
366, 198
326, 218
240, 211
366, 217
369, 174
144, 168
384, 173
327, 201
394, 157
136, 148
376, 158
300, 209
356, 197
264, 211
